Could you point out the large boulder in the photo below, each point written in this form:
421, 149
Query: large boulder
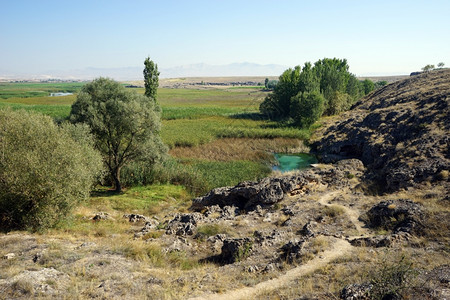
235, 250
397, 215
249, 194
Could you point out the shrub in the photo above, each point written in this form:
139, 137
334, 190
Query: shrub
306, 108
392, 280
45, 170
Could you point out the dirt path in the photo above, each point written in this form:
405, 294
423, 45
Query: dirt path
352, 214
340, 248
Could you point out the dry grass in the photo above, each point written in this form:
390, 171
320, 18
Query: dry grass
228, 149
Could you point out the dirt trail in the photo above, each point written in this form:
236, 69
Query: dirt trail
352, 214
340, 248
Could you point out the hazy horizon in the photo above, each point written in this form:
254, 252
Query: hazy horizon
377, 38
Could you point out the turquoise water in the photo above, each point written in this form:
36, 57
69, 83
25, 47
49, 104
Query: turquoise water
289, 162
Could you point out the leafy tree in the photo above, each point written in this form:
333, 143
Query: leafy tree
326, 76
306, 108
380, 84
368, 86
45, 170
125, 125
440, 65
272, 84
338, 103
428, 68
151, 78
354, 88
333, 75
266, 83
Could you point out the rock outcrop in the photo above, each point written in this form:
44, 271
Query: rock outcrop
248, 194
399, 132
399, 216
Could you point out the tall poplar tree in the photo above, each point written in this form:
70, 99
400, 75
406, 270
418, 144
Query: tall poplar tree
151, 78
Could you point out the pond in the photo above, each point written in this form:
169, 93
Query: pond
288, 162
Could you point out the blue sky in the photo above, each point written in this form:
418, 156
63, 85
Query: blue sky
376, 37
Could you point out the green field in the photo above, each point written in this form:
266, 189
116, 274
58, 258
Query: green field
191, 118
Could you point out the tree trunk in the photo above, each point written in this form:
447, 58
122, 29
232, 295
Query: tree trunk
116, 179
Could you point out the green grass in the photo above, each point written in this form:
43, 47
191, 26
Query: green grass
57, 112
140, 198
229, 173
37, 89
193, 132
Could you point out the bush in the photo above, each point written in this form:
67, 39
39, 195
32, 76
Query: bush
338, 103
307, 108
45, 170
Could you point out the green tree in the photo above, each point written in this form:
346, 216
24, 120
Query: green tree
125, 125
440, 65
368, 86
327, 77
151, 79
380, 84
45, 169
428, 68
338, 102
306, 108
266, 83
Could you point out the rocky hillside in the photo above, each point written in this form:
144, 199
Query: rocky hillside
400, 132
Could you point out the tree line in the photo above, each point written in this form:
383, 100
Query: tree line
303, 94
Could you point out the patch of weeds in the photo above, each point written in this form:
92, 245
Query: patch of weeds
153, 235
392, 280
333, 211
243, 252
23, 287
207, 230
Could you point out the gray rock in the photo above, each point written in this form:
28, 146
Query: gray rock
310, 229
292, 251
397, 215
135, 218
234, 250
101, 216
183, 224
249, 194
356, 292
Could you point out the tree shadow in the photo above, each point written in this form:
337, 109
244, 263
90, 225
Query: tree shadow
255, 116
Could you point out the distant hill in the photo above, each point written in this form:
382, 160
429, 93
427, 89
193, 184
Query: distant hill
135, 73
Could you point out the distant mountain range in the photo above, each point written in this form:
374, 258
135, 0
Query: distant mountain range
135, 73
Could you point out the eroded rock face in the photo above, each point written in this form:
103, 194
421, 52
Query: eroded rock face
399, 132
248, 194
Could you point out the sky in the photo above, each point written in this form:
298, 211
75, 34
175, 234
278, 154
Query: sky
376, 37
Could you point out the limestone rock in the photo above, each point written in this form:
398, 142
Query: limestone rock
234, 250
183, 224
249, 194
397, 215
356, 292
